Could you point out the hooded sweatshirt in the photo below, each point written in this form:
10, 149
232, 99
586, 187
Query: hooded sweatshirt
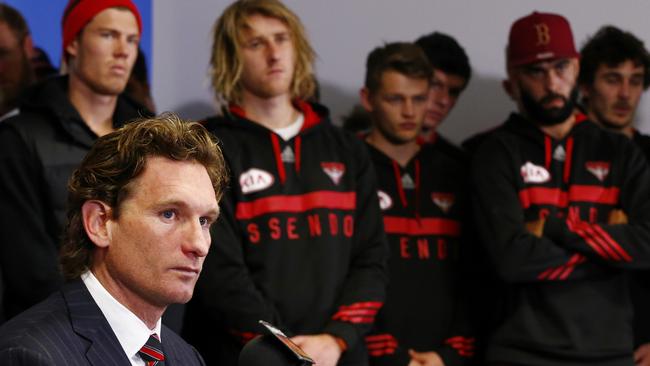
567, 300
299, 243
424, 205
41, 147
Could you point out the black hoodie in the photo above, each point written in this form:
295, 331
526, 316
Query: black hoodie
299, 242
568, 300
424, 207
39, 149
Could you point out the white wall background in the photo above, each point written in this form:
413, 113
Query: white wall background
344, 31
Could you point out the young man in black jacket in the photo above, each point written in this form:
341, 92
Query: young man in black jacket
58, 122
450, 76
563, 208
300, 243
421, 194
614, 73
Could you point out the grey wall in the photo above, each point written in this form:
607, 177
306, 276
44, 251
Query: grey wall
344, 31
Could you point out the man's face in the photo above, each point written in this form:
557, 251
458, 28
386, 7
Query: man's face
614, 96
268, 57
443, 94
105, 51
397, 107
545, 91
161, 236
15, 70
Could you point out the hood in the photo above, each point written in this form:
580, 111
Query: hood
315, 116
560, 150
234, 116
50, 97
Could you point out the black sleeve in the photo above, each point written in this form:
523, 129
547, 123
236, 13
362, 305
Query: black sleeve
623, 245
459, 347
364, 289
517, 255
28, 252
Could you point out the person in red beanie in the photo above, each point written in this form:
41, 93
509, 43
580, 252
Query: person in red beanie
563, 209
58, 122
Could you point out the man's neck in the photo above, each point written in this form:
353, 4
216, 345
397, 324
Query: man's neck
272, 113
560, 130
402, 153
96, 110
148, 313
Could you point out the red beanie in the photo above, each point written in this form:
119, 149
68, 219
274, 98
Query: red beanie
538, 37
79, 12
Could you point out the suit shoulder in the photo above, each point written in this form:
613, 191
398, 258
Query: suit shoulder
39, 330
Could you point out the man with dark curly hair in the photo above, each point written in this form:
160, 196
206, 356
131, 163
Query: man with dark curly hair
615, 71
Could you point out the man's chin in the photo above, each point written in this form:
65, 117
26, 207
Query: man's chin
617, 125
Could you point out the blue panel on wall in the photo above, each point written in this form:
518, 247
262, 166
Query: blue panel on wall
44, 20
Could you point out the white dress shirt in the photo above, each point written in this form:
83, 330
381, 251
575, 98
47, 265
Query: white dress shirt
131, 332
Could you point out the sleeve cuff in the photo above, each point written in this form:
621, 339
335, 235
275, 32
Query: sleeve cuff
346, 332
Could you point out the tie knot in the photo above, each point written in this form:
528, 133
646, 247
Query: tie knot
152, 352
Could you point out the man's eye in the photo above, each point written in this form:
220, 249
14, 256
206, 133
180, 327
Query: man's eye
168, 214
204, 221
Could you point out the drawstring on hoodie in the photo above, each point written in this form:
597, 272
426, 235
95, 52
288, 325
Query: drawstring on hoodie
311, 118
566, 172
400, 187
297, 146
398, 180
278, 155
567, 161
547, 150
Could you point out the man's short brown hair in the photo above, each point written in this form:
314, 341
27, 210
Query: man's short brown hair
116, 160
402, 57
14, 21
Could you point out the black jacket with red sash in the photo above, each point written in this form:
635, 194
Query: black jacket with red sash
299, 243
568, 300
424, 205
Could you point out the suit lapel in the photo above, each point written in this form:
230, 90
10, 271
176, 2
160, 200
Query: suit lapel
171, 358
89, 322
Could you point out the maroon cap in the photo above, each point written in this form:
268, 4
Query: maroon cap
539, 37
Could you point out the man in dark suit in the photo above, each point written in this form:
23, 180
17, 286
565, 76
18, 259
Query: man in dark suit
140, 209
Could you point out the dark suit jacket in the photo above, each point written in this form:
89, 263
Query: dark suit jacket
68, 328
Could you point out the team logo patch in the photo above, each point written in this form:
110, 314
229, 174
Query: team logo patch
407, 182
287, 155
254, 180
600, 169
534, 173
559, 154
385, 202
333, 170
443, 200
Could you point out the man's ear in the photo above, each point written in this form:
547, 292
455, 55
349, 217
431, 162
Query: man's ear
96, 215
364, 95
507, 86
72, 49
28, 47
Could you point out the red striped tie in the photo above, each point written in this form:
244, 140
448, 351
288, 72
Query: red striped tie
152, 352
